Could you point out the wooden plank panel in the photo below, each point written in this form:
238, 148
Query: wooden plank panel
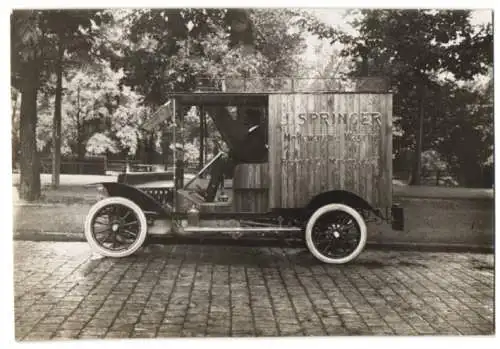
374, 151
369, 130
263, 201
341, 128
310, 156
365, 131
368, 151
308, 130
336, 137
320, 102
356, 142
286, 152
315, 143
349, 144
316, 134
377, 141
336, 150
296, 165
323, 107
380, 151
250, 200
378, 154
362, 140
331, 141
303, 170
274, 131
281, 149
251, 176
282, 152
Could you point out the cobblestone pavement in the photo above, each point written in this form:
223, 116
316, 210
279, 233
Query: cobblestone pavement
179, 290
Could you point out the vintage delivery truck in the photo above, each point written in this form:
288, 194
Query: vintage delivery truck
314, 164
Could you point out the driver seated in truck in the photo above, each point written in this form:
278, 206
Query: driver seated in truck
250, 149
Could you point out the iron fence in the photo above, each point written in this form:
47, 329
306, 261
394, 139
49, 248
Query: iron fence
88, 165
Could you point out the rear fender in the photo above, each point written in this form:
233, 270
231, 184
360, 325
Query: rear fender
145, 201
341, 197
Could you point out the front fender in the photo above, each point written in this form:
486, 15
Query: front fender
145, 201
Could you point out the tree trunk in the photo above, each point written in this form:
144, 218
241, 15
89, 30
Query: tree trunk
417, 165
14, 133
14, 105
79, 126
56, 126
165, 148
29, 188
142, 149
364, 64
150, 149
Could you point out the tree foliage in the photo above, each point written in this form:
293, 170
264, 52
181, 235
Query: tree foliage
108, 69
414, 50
176, 49
36, 38
99, 114
279, 40
173, 49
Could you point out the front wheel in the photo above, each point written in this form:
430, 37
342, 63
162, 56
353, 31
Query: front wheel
336, 234
115, 227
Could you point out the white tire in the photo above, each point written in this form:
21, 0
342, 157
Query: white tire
313, 220
97, 245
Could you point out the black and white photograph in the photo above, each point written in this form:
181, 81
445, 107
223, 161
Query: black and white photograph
251, 172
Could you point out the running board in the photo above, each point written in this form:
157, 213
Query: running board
239, 229
236, 232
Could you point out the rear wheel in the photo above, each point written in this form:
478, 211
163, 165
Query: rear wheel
115, 227
336, 234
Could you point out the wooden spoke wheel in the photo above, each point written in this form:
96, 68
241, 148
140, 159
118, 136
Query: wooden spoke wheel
115, 227
336, 234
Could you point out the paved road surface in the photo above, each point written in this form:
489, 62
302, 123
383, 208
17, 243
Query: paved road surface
172, 291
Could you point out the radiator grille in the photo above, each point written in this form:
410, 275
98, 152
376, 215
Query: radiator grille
162, 195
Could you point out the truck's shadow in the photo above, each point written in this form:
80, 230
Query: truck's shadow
251, 256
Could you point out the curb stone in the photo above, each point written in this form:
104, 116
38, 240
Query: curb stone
30, 235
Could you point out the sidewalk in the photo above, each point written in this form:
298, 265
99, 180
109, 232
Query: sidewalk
69, 180
460, 219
